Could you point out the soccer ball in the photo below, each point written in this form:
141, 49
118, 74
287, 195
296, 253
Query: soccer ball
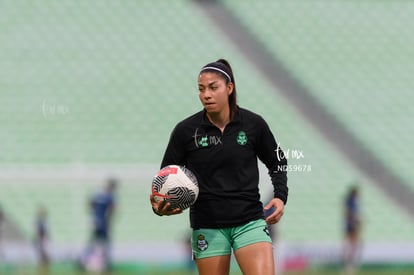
176, 185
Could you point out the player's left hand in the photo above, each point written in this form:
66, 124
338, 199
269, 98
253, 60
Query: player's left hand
279, 207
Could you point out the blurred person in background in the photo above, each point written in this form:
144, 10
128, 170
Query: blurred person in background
221, 145
97, 256
41, 240
2, 221
352, 230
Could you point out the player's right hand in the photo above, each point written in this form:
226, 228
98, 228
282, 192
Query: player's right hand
163, 208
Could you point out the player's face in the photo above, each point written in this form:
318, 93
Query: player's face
214, 92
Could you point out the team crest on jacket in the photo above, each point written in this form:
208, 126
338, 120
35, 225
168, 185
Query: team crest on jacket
203, 141
242, 138
202, 244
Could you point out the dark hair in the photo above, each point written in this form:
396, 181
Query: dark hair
222, 67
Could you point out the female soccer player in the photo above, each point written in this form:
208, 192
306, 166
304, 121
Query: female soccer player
221, 144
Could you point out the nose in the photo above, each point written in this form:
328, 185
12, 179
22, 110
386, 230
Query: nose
206, 94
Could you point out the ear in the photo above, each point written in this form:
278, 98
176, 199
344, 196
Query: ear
230, 87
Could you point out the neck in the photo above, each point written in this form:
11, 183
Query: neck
220, 120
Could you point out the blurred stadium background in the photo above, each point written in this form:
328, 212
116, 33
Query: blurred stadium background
92, 89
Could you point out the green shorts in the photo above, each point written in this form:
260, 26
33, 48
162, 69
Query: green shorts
219, 242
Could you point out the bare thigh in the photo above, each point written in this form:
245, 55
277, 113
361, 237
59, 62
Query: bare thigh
217, 265
256, 259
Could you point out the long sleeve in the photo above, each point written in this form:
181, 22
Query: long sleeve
271, 154
175, 151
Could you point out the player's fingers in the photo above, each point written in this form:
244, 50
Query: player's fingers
158, 206
165, 206
271, 220
175, 211
166, 209
279, 216
275, 217
169, 211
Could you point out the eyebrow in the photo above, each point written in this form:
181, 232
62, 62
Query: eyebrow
211, 83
